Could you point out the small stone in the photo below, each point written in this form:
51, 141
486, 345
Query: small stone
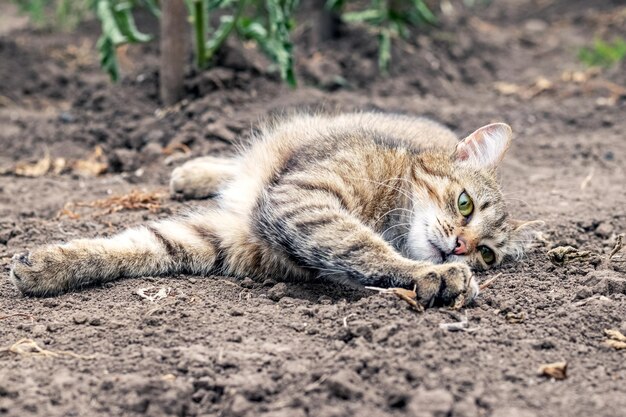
79, 318
604, 230
53, 327
236, 313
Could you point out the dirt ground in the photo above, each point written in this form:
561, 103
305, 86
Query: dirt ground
218, 346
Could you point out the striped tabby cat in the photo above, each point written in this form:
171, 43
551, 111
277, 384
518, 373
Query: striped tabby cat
381, 200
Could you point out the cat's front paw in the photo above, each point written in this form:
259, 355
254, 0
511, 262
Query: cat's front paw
40, 272
450, 284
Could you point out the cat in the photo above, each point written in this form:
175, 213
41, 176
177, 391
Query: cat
377, 199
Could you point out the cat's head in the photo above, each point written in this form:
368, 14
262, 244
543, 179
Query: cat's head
458, 211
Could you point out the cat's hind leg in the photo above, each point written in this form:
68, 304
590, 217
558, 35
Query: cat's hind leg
164, 247
202, 177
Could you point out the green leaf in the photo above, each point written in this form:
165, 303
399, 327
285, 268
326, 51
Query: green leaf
424, 12
108, 57
110, 28
126, 23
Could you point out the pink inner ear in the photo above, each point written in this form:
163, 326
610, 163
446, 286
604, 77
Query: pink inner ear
462, 153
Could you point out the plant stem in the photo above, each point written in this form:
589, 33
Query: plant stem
223, 35
199, 15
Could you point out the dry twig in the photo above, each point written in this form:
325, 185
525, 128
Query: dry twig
488, 282
618, 246
408, 296
28, 347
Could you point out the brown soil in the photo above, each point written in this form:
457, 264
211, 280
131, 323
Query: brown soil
217, 346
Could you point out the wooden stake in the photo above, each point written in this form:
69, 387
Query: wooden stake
174, 47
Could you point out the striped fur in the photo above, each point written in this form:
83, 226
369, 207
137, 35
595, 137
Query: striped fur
366, 197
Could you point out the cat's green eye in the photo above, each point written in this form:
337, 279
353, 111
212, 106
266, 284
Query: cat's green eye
466, 205
487, 254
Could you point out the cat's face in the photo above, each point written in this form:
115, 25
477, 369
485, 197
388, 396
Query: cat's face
458, 212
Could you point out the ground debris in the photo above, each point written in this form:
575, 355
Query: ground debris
408, 296
616, 339
565, 254
28, 347
556, 370
462, 325
95, 164
540, 85
487, 283
515, 317
154, 294
135, 200
619, 244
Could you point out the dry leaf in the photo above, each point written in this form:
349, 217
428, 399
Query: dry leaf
37, 169
615, 335
556, 370
616, 344
95, 164
616, 339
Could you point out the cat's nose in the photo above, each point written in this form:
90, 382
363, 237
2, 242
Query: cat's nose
461, 246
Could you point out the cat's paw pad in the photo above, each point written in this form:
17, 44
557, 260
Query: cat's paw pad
448, 284
36, 273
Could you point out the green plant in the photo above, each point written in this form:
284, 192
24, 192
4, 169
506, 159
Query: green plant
266, 22
118, 28
603, 54
60, 14
390, 19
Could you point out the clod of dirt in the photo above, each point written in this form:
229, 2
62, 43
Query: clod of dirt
606, 282
616, 339
427, 403
565, 254
343, 385
277, 292
556, 370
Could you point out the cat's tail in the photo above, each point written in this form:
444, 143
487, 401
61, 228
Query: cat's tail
165, 247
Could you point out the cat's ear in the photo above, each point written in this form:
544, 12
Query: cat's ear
486, 147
